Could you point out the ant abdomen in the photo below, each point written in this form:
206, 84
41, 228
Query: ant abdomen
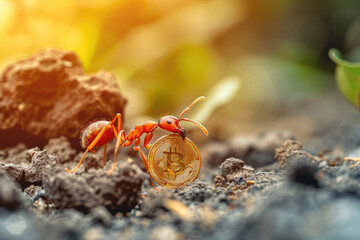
92, 131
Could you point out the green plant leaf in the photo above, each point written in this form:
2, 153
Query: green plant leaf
347, 77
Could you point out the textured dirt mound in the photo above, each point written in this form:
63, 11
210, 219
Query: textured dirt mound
234, 174
48, 95
279, 202
289, 151
118, 192
30, 171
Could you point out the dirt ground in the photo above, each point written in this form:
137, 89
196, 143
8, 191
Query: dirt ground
274, 184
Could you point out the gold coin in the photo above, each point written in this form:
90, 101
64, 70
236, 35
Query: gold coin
174, 162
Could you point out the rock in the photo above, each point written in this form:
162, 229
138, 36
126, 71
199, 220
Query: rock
118, 192
290, 149
39, 160
231, 170
16, 171
13, 160
258, 150
233, 173
231, 166
30, 153
30, 191
11, 197
31, 171
220, 181
60, 147
48, 95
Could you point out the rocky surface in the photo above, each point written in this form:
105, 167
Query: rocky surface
60, 147
35, 170
30, 171
287, 152
119, 192
233, 172
48, 95
304, 197
14, 170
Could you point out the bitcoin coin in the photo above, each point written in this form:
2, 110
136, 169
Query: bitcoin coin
174, 162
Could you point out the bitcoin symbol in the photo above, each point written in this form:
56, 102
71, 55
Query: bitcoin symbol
174, 165
174, 162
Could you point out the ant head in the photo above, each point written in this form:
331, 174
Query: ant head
171, 123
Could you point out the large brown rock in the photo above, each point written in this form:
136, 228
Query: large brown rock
48, 95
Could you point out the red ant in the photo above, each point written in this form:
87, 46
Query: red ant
101, 132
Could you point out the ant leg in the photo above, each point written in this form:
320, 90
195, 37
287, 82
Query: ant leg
147, 139
90, 147
114, 129
118, 117
119, 125
137, 142
143, 158
120, 136
127, 143
104, 157
119, 141
82, 159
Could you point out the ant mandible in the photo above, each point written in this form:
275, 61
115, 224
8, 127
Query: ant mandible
101, 132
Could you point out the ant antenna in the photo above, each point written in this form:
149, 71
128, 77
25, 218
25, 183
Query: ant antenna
190, 120
192, 104
197, 123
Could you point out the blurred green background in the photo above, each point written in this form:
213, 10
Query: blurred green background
165, 53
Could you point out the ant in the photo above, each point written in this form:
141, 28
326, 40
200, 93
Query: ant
101, 132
